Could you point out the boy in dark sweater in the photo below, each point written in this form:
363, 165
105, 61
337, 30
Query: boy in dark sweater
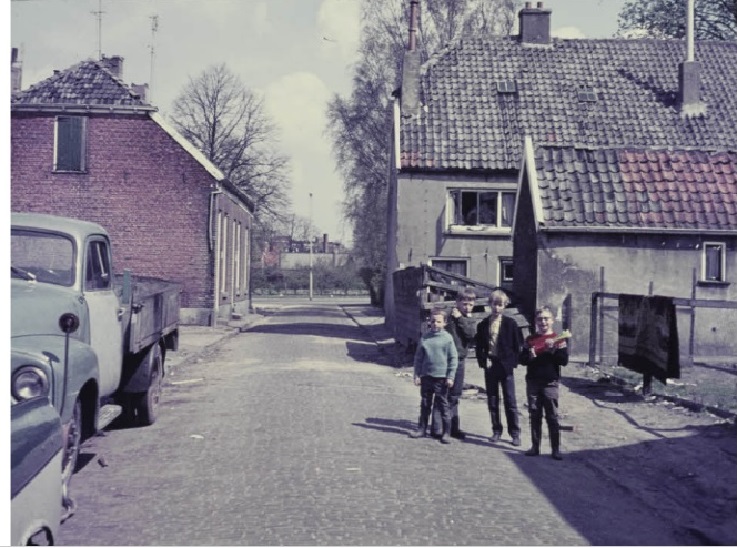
436, 361
462, 327
543, 354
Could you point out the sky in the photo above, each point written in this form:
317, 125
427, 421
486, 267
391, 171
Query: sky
296, 54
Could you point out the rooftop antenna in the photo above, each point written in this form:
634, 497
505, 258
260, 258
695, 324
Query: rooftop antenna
154, 29
98, 15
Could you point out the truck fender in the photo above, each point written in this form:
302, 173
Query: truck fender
137, 372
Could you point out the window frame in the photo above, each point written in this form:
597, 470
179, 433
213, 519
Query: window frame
705, 263
502, 278
97, 254
60, 141
455, 209
432, 261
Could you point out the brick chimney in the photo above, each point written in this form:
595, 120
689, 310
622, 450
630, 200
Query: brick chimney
411, 67
16, 71
141, 90
114, 64
689, 73
534, 24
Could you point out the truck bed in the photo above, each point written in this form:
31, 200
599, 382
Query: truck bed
151, 312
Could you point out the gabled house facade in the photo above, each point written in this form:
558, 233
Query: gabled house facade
86, 145
467, 193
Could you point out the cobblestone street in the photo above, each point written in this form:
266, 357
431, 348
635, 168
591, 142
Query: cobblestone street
295, 433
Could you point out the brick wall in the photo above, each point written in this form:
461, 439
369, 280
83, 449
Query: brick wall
142, 186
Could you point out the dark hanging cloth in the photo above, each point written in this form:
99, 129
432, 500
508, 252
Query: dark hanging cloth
648, 336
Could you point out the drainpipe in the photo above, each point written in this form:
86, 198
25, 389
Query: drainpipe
213, 241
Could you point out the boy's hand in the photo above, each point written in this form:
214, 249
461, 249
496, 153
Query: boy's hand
449, 382
417, 381
455, 312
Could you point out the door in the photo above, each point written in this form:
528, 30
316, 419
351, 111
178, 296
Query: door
106, 334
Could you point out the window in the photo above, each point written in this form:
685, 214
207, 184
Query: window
480, 210
98, 266
713, 262
506, 86
506, 270
454, 266
70, 143
586, 94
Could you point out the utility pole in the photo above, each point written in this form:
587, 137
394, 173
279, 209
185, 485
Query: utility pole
311, 240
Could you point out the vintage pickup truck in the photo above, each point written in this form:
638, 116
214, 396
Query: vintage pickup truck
99, 340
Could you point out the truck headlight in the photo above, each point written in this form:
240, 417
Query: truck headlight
29, 382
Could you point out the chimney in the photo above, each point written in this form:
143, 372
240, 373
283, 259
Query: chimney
325, 243
689, 73
411, 67
16, 71
534, 24
141, 90
114, 64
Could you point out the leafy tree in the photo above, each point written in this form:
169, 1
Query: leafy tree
360, 125
713, 19
226, 121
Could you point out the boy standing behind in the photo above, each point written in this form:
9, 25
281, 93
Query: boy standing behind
436, 361
462, 327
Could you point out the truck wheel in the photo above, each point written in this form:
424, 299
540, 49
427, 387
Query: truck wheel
70, 456
147, 406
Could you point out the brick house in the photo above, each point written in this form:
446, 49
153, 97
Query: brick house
86, 145
590, 110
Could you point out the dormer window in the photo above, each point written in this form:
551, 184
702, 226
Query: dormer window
586, 94
506, 86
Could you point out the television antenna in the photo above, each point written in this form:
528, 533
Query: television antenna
154, 30
98, 15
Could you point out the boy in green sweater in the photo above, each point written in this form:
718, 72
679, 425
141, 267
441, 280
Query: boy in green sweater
436, 360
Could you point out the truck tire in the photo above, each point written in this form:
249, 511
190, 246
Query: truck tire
147, 403
70, 457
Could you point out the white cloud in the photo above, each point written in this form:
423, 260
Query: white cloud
297, 102
338, 22
568, 32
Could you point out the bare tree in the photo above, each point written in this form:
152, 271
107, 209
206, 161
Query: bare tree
713, 19
226, 121
360, 125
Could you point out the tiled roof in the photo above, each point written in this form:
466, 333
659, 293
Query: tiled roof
87, 83
637, 188
465, 124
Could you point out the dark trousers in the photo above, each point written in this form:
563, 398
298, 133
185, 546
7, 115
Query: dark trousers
433, 390
454, 400
542, 397
496, 377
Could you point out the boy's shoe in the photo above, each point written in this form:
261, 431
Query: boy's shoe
557, 456
516, 441
458, 434
495, 438
532, 451
419, 433
445, 439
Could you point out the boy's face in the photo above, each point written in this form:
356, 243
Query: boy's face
437, 322
497, 307
544, 323
465, 306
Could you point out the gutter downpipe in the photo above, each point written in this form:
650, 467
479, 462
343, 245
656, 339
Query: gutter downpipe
214, 246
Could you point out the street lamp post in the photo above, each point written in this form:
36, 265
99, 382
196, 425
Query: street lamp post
311, 239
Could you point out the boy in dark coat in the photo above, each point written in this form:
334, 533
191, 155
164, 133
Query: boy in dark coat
462, 327
498, 344
543, 355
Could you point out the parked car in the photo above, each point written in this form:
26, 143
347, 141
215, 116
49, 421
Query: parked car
36, 443
100, 339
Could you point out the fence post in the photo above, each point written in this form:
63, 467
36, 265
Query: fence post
602, 288
692, 326
647, 378
592, 328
